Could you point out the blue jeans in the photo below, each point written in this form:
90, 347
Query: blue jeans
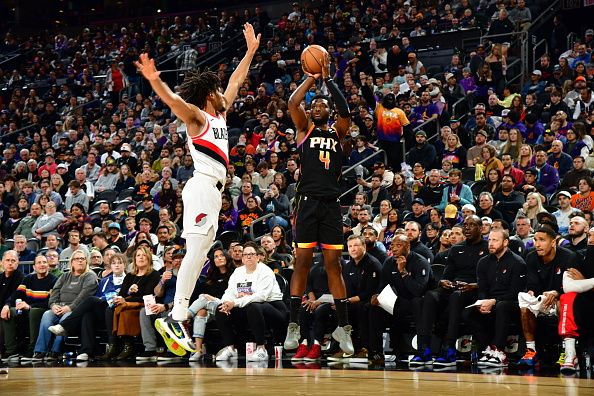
49, 319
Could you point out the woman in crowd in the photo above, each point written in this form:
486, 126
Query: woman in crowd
58, 185
531, 208
490, 160
253, 296
122, 320
525, 159
277, 203
493, 179
441, 253
227, 215
381, 219
90, 313
400, 194
69, 291
178, 214
76, 220
87, 234
436, 217
126, 179
47, 223
430, 237
387, 234
454, 152
575, 145
166, 198
204, 308
280, 240
514, 142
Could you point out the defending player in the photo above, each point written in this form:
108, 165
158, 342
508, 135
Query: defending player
318, 218
201, 105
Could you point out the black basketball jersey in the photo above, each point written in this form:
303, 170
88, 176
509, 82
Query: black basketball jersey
320, 154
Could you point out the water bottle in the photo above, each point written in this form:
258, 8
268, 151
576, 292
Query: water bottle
17, 302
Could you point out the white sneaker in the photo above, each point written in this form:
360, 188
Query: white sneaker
179, 313
484, 360
259, 355
57, 330
343, 336
227, 353
293, 335
196, 357
83, 357
570, 365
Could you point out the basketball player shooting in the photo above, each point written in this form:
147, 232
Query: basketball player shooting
318, 217
201, 105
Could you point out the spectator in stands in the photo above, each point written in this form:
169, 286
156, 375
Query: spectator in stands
457, 193
33, 293
531, 208
454, 152
422, 151
490, 321
73, 245
548, 176
77, 195
364, 220
260, 302
91, 168
558, 159
431, 193
108, 177
543, 282
584, 199
576, 239
248, 215
490, 160
46, 190
47, 223
400, 195
413, 233
502, 26
486, 208
377, 193
69, 291
86, 185
382, 217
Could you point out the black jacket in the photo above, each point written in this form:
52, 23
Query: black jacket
501, 279
462, 261
543, 277
362, 279
8, 287
412, 285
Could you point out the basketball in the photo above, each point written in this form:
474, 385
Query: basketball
312, 59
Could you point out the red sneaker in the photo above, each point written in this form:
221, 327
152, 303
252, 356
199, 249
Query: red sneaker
315, 353
301, 353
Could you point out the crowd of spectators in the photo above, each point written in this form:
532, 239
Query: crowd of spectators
92, 162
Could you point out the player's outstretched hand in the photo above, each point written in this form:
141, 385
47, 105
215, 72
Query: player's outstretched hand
252, 41
146, 66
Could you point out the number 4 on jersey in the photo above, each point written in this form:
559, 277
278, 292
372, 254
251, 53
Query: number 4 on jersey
325, 158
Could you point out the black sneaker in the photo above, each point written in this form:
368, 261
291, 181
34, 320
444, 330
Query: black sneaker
52, 356
147, 356
35, 357
168, 357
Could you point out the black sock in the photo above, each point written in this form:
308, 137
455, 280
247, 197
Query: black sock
295, 307
341, 312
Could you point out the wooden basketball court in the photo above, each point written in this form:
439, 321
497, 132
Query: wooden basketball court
280, 381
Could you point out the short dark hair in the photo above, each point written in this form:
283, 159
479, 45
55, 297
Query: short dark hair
198, 85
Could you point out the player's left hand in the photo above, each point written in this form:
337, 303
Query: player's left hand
326, 66
146, 66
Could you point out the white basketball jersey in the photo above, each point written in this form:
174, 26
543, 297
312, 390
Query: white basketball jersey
210, 149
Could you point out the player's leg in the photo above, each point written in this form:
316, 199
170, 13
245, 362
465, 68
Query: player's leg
171, 328
306, 233
529, 328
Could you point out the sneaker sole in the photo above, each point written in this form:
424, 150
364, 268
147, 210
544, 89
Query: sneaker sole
171, 341
312, 359
449, 364
343, 343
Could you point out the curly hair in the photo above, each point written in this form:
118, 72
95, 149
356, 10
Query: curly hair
197, 85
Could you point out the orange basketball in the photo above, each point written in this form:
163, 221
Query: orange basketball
312, 59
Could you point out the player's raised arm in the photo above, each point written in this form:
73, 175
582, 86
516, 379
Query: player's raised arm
342, 107
187, 112
238, 76
298, 114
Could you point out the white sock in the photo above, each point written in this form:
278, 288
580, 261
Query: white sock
304, 342
531, 345
316, 342
569, 347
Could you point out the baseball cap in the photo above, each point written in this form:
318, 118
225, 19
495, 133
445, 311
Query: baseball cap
418, 201
113, 225
504, 113
421, 133
483, 132
50, 154
131, 207
278, 81
289, 130
589, 32
557, 68
146, 242
547, 223
531, 171
63, 166
369, 117
125, 147
448, 76
580, 78
179, 253
565, 193
110, 161
346, 221
469, 207
450, 212
147, 197
59, 123
453, 120
537, 72
487, 219
433, 81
